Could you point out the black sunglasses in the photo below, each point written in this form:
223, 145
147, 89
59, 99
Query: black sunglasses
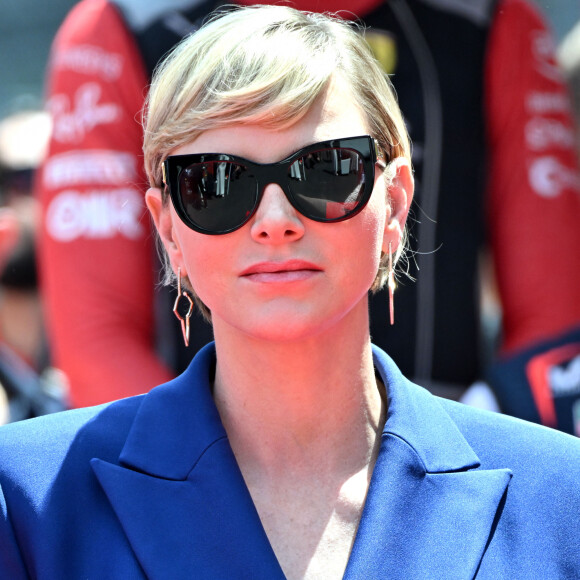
217, 193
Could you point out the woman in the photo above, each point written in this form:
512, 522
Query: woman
280, 186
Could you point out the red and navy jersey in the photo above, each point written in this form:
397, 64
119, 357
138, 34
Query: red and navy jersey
494, 161
96, 252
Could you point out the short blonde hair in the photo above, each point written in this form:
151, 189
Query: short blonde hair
265, 65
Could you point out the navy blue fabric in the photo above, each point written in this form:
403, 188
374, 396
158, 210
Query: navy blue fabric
510, 382
148, 487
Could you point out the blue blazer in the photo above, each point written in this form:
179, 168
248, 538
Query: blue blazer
148, 487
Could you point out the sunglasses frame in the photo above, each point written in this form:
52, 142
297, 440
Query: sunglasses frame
266, 173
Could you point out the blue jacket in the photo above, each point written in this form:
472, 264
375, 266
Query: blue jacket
148, 487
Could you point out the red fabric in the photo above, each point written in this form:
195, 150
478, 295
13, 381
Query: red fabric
534, 188
96, 242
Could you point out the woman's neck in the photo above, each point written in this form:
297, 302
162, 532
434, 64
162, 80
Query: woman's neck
304, 420
313, 403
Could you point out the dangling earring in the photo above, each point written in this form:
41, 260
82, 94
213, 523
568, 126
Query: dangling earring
184, 320
391, 285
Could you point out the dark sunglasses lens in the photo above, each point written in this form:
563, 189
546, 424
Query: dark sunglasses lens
218, 196
328, 185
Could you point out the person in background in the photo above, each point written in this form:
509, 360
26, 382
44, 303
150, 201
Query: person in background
291, 448
497, 183
29, 386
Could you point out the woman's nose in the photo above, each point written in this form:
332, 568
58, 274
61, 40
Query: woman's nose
275, 220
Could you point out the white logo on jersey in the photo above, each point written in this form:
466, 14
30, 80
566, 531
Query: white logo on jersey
548, 177
545, 133
89, 168
72, 121
541, 103
90, 60
565, 380
544, 52
94, 215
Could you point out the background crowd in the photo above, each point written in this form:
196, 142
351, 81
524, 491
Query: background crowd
499, 107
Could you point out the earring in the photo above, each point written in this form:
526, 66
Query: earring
391, 285
183, 319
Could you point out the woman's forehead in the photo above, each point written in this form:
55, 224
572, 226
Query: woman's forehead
334, 114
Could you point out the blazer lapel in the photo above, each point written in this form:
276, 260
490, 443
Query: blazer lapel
183, 504
178, 492
430, 510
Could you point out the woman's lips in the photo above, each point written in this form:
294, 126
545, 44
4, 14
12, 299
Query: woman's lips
279, 272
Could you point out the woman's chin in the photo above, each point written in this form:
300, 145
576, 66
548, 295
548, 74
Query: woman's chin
283, 325
280, 331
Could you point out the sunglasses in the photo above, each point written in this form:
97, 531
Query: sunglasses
217, 193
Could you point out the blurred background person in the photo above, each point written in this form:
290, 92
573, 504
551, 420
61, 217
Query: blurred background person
489, 115
28, 385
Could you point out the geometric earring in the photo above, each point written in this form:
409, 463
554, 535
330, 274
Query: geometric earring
391, 286
188, 310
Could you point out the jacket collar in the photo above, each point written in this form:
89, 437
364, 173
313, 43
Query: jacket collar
417, 417
183, 503
430, 510
178, 492
164, 440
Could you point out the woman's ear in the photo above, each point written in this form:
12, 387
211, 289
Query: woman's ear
163, 220
400, 193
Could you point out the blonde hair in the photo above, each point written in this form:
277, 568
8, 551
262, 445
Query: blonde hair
265, 65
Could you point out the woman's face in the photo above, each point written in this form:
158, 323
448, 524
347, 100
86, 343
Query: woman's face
282, 276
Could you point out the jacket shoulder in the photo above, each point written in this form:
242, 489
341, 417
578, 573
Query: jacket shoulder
536, 524
38, 447
503, 441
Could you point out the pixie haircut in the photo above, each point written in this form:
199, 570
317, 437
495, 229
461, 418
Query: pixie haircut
265, 65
